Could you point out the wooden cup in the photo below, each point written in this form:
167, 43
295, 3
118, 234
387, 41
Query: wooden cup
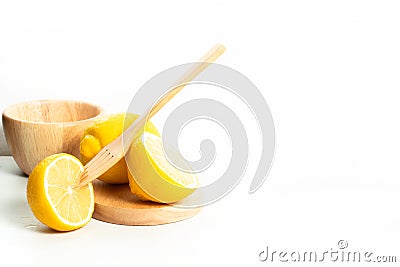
37, 129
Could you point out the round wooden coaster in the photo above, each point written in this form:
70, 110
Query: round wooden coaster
116, 204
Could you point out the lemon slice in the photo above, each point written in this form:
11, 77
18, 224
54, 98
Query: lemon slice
53, 196
152, 176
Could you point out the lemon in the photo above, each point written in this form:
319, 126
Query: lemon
53, 196
101, 133
152, 176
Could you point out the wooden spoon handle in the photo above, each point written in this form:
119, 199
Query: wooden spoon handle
212, 55
204, 62
113, 152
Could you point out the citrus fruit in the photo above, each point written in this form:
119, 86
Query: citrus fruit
53, 195
152, 176
101, 133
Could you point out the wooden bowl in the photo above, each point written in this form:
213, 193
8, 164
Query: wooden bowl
37, 129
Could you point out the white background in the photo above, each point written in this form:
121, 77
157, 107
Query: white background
329, 71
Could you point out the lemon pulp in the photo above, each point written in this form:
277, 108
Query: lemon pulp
53, 195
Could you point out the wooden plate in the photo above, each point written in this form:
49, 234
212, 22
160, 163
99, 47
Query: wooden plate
116, 204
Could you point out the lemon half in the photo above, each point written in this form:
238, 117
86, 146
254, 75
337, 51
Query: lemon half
53, 195
152, 176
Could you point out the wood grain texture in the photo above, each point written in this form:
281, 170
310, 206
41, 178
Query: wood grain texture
37, 129
116, 204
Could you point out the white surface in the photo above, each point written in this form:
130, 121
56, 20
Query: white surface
294, 210
328, 69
